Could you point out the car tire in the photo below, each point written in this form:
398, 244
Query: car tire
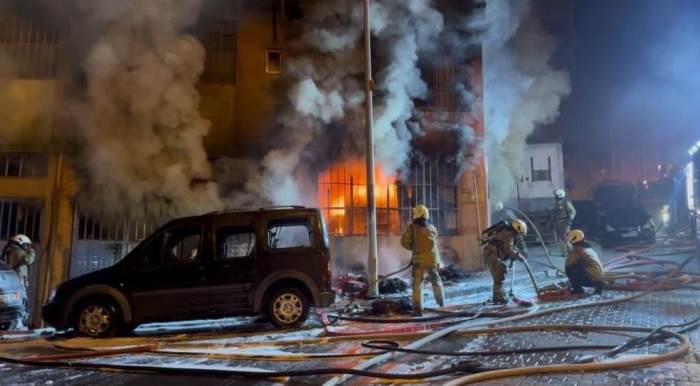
97, 318
288, 307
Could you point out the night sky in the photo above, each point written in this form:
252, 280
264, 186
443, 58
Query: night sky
635, 73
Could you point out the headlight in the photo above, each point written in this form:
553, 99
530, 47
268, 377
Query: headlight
11, 298
665, 214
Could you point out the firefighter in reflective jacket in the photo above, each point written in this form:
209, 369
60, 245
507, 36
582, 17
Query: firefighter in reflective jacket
500, 248
503, 213
421, 238
564, 214
583, 266
19, 255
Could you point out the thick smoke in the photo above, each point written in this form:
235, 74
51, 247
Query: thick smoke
25, 113
142, 129
130, 122
324, 117
522, 90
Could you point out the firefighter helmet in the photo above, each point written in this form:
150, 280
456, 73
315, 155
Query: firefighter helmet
420, 211
575, 236
559, 194
21, 240
520, 226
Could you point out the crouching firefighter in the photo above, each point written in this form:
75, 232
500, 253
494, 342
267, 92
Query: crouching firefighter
499, 248
583, 266
421, 238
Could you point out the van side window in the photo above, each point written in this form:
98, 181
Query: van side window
149, 257
182, 245
234, 242
292, 233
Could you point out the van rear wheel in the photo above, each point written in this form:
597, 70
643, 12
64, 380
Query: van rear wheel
97, 318
288, 307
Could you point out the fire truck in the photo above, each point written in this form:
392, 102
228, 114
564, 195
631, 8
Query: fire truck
692, 175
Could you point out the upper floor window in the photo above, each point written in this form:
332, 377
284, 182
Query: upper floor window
273, 61
23, 164
219, 39
31, 49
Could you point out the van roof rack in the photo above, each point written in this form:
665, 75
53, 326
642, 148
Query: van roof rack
282, 207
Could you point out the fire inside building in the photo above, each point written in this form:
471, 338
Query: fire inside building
245, 58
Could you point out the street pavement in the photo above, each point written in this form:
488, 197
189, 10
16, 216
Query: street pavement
229, 343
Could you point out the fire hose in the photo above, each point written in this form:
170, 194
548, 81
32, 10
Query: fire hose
461, 367
466, 366
583, 367
636, 361
547, 256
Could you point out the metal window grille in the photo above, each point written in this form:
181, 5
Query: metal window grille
342, 198
23, 164
219, 40
20, 216
100, 243
31, 49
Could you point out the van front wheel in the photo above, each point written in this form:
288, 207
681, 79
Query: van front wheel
97, 319
288, 307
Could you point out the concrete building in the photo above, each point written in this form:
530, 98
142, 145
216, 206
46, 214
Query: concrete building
245, 56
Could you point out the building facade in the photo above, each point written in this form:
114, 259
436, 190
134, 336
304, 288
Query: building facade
245, 56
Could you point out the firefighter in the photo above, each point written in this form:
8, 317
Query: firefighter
583, 266
563, 215
499, 249
421, 238
503, 213
18, 254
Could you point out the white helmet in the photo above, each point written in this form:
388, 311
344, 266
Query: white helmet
22, 240
520, 226
559, 194
575, 236
499, 206
420, 211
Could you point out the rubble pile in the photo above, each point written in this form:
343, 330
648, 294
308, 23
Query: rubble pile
354, 283
392, 286
394, 306
351, 283
453, 273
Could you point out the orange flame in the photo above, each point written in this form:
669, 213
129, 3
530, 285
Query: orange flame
342, 193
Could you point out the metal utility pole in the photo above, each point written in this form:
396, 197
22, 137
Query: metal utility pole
372, 260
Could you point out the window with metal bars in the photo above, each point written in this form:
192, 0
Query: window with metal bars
23, 164
342, 198
20, 216
90, 228
31, 49
100, 243
219, 40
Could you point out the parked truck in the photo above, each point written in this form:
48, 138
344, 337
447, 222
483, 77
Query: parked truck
543, 172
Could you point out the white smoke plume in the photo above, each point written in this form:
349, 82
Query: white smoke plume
140, 129
324, 121
522, 90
